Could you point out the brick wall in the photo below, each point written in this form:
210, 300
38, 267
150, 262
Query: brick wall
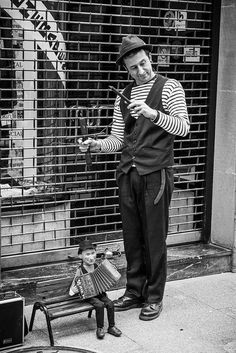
35, 230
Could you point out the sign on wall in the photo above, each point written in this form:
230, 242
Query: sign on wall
37, 19
192, 54
175, 20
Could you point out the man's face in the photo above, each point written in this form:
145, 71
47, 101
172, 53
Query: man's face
89, 256
139, 67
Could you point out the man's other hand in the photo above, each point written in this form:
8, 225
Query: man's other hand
93, 145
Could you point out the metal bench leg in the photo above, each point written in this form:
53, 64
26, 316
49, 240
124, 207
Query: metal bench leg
90, 313
49, 330
45, 310
35, 307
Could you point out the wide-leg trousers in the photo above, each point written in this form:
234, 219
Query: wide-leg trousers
144, 207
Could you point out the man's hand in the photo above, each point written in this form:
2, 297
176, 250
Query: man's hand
93, 145
141, 108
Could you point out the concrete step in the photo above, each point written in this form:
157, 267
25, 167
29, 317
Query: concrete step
184, 261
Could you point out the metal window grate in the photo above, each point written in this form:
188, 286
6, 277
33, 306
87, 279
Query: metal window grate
57, 60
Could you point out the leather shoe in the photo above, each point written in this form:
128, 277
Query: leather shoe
100, 333
151, 311
114, 331
125, 303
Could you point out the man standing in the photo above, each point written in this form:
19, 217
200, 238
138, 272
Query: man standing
144, 130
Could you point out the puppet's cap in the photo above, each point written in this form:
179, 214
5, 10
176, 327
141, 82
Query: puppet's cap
85, 245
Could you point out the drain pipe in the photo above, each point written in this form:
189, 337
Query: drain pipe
234, 248
234, 243
0, 239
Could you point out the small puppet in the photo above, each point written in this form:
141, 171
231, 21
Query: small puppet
87, 254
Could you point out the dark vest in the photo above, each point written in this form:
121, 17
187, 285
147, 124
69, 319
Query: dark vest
146, 145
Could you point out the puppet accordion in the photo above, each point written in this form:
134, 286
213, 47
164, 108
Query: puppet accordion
91, 284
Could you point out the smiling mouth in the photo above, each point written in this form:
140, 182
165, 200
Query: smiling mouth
144, 77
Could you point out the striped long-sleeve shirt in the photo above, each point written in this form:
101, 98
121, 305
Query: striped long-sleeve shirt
176, 122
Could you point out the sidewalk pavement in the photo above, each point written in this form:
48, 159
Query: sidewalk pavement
199, 316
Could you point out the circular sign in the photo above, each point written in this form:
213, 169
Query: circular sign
169, 20
53, 349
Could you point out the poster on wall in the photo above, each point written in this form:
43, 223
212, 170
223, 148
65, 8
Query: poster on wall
34, 29
37, 19
176, 51
14, 121
180, 20
163, 58
175, 20
169, 20
192, 54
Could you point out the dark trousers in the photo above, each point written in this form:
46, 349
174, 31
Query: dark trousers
145, 227
101, 302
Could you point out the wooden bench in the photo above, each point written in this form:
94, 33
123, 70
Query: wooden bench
54, 301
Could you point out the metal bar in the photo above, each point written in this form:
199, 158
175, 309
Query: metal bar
212, 108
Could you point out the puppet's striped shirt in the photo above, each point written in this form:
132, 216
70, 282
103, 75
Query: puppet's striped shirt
173, 101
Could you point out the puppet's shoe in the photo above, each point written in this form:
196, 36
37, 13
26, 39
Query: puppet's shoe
100, 333
114, 331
